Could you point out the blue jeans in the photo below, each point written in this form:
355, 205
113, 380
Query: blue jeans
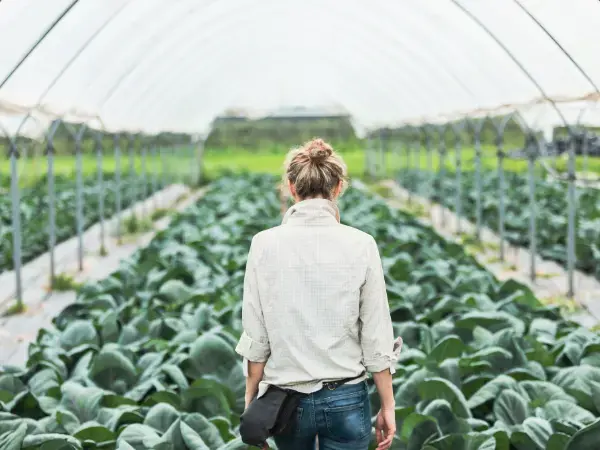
341, 418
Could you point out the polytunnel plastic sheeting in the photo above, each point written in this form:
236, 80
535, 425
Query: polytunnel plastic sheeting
158, 65
545, 117
33, 126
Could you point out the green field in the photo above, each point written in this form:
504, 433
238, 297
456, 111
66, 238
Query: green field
271, 162
31, 169
217, 161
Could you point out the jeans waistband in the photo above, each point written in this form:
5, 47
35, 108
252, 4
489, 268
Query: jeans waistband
341, 391
333, 385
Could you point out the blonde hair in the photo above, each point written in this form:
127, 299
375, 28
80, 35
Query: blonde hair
315, 170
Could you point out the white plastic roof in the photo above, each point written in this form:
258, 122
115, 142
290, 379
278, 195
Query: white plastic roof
173, 65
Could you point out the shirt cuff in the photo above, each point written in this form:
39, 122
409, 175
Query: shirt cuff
380, 364
382, 361
252, 350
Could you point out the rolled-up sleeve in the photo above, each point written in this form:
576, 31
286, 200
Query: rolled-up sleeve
377, 333
254, 342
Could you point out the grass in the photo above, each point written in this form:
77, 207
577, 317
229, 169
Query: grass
471, 244
31, 169
413, 208
14, 309
493, 260
416, 209
181, 197
133, 224
159, 213
216, 161
543, 275
489, 161
470, 239
239, 160
63, 282
566, 305
382, 190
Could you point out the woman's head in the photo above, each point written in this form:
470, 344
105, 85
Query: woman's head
314, 170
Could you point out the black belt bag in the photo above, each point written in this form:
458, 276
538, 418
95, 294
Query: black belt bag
272, 414
275, 413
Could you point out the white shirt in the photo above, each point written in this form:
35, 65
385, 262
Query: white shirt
315, 304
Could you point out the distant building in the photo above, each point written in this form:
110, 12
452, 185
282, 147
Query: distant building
300, 112
284, 113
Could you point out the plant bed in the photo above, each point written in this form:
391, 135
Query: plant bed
145, 358
551, 211
34, 209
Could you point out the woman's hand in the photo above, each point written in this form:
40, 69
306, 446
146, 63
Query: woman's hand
385, 428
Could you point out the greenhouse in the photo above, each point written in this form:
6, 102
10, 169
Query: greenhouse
143, 145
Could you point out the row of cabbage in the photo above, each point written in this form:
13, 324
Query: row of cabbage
145, 358
34, 209
551, 210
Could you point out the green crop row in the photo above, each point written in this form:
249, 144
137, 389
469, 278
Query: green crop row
34, 211
145, 358
551, 210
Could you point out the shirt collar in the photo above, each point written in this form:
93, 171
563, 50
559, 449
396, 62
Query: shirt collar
314, 211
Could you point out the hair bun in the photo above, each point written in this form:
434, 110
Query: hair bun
318, 150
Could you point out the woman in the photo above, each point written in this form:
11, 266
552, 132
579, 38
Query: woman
315, 313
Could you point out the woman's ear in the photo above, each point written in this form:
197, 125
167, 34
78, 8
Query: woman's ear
292, 190
338, 190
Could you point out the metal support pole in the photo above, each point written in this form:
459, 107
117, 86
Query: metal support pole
117, 184
163, 167
442, 172
407, 146
51, 209
366, 160
410, 148
586, 148
131, 175
397, 158
419, 145
100, 181
532, 149
501, 207
478, 180
571, 206
16, 218
369, 155
429, 151
155, 165
191, 160
144, 179
382, 168
458, 163
79, 199
500, 128
172, 162
198, 173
